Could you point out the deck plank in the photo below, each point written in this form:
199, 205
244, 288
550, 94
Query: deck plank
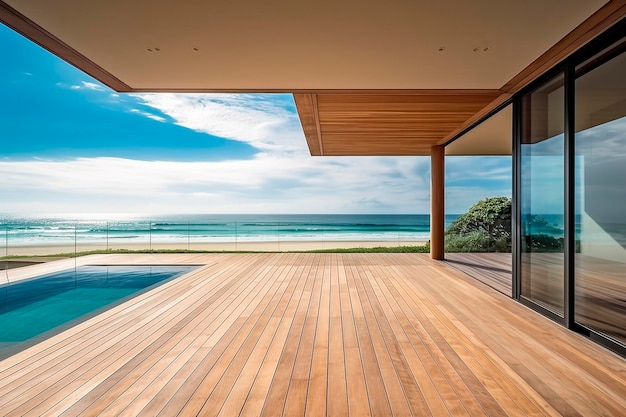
125, 376
218, 382
316, 400
258, 393
183, 388
135, 339
281, 381
196, 338
435, 396
493, 269
336, 390
376, 392
312, 335
295, 401
358, 400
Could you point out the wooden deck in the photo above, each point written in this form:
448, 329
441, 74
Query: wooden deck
493, 269
313, 334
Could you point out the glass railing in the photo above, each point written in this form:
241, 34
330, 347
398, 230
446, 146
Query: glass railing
45, 238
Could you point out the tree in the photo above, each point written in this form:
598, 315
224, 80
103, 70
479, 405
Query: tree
486, 227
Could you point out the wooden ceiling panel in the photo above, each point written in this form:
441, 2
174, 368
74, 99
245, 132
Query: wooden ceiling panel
375, 147
306, 105
398, 123
384, 128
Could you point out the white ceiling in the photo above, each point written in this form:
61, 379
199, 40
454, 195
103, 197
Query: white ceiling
291, 45
492, 137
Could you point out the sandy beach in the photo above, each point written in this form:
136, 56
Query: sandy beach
269, 246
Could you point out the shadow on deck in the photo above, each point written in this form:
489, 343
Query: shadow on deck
493, 269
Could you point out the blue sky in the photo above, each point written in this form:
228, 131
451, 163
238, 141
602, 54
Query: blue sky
68, 144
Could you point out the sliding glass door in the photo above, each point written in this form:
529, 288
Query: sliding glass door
542, 195
570, 193
600, 195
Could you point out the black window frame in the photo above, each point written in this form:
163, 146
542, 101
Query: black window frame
568, 67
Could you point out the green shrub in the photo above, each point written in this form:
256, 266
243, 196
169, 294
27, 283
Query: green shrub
486, 227
491, 216
469, 242
543, 243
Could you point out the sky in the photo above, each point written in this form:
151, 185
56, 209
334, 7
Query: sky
69, 144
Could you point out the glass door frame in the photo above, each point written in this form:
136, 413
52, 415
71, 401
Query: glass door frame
567, 67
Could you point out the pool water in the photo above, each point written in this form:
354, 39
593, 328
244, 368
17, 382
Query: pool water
35, 307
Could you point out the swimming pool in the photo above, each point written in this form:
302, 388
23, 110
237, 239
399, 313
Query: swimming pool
35, 309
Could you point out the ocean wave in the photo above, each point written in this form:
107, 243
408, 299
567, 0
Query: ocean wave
192, 224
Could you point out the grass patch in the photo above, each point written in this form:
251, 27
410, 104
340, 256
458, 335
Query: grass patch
378, 249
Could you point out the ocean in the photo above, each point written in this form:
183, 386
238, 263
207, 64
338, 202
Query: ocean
64, 230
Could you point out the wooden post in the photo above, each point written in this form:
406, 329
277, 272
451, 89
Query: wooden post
437, 209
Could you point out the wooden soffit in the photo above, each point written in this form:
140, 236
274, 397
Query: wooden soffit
391, 123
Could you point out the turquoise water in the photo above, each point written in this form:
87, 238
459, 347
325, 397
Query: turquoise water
35, 307
29, 321
214, 228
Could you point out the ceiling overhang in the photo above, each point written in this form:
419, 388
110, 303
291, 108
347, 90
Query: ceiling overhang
385, 123
369, 78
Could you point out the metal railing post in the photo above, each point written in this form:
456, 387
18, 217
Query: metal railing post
6, 254
75, 254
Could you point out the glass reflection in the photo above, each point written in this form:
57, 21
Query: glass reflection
542, 195
600, 273
478, 237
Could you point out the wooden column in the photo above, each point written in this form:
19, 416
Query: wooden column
437, 210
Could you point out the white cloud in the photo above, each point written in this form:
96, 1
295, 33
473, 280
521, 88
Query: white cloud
86, 85
267, 184
281, 178
148, 115
255, 119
